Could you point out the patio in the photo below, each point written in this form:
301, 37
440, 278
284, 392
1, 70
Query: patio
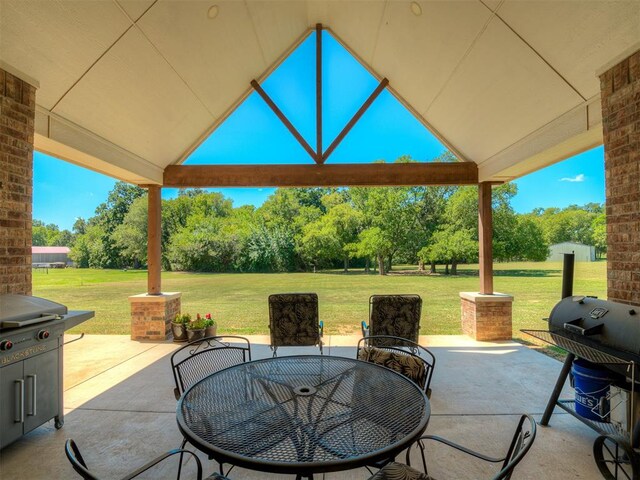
121, 411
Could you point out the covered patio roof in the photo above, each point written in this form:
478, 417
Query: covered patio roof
130, 87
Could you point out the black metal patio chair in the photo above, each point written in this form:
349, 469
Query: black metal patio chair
79, 465
394, 315
520, 444
201, 358
404, 356
293, 321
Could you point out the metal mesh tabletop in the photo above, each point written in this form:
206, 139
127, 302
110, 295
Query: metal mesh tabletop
303, 414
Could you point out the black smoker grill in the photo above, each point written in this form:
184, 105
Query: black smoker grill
608, 334
31, 340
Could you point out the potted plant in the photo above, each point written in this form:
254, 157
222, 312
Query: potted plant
210, 326
195, 330
179, 327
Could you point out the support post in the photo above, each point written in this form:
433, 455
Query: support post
319, 93
154, 237
152, 312
485, 238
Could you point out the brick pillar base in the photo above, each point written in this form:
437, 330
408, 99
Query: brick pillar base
151, 315
486, 317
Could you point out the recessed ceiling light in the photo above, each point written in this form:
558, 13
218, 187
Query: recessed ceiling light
213, 11
416, 9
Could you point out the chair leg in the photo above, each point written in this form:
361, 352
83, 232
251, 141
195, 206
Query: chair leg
182, 445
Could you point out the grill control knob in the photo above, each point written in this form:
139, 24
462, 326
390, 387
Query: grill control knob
43, 335
6, 345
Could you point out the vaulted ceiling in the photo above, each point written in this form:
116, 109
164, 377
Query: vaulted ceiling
128, 87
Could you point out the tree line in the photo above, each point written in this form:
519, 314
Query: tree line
299, 229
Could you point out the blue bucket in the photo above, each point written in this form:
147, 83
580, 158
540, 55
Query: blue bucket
591, 383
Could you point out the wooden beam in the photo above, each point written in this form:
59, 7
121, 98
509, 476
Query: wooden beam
485, 237
154, 237
332, 175
318, 93
381, 86
256, 86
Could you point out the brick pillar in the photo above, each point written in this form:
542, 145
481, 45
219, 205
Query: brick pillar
151, 315
486, 317
620, 94
17, 114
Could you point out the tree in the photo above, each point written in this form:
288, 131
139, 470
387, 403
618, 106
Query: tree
599, 233
529, 240
111, 214
88, 249
327, 238
388, 209
49, 235
373, 242
131, 235
572, 224
451, 245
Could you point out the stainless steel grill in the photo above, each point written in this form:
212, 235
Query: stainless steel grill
31, 363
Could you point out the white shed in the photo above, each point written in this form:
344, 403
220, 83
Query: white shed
583, 253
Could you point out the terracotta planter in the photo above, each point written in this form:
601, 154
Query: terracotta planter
193, 335
179, 332
211, 331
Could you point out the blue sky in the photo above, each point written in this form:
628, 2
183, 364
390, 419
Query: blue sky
253, 134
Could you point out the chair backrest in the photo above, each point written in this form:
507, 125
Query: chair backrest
201, 358
409, 359
77, 462
395, 315
293, 320
521, 442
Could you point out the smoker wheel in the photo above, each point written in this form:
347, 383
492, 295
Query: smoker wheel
615, 458
58, 423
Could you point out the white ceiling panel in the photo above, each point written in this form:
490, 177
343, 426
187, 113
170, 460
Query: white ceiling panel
134, 99
500, 93
56, 42
419, 53
356, 23
134, 8
559, 31
217, 57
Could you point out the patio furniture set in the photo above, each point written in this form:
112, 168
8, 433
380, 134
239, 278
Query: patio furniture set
305, 415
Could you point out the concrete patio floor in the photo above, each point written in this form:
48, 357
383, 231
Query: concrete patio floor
120, 409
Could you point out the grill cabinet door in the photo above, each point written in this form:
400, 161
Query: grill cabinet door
11, 401
41, 402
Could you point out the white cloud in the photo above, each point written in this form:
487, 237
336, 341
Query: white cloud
577, 178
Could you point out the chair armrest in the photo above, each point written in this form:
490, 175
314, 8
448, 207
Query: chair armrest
462, 449
321, 327
163, 457
365, 329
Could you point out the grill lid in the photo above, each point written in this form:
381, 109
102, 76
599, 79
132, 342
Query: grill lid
595, 322
15, 310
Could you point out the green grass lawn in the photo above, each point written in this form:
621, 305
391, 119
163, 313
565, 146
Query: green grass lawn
239, 301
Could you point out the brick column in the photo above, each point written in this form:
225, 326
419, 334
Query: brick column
620, 94
151, 315
17, 114
486, 317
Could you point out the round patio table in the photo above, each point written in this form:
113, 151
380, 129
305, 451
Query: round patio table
302, 415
